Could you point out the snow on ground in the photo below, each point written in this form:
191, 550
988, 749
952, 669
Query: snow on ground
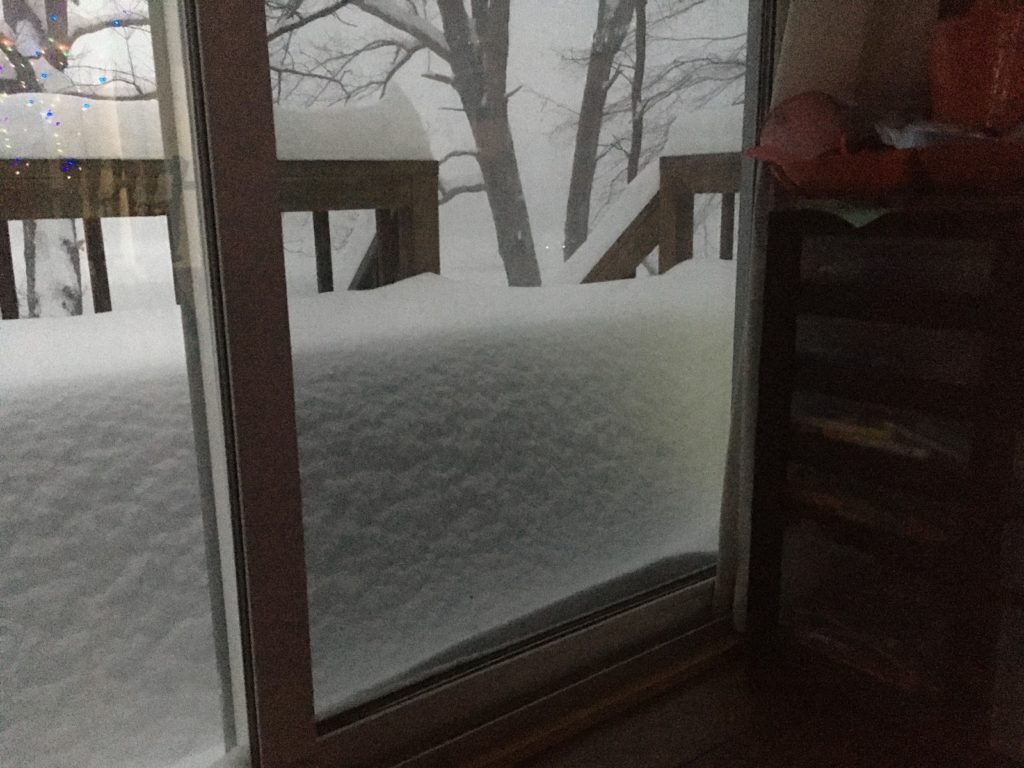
48, 125
475, 463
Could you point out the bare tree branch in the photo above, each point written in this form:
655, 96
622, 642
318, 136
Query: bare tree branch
304, 20
126, 22
408, 22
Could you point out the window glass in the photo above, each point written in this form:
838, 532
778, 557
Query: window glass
499, 434
113, 650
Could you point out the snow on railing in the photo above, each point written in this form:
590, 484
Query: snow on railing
656, 210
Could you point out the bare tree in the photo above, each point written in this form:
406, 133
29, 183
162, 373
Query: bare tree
613, 18
636, 93
626, 125
474, 45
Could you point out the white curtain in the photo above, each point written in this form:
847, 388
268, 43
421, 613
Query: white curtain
872, 53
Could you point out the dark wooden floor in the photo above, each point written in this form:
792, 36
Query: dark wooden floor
721, 723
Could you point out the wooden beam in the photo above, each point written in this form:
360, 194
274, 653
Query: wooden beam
676, 212
632, 246
97, 256
8, 289
64, 189
715, 173
425, 251
366, 273
388, 253
726, 241
346, 185
322, 247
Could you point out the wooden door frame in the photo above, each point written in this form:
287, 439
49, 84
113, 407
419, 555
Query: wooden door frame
237, 158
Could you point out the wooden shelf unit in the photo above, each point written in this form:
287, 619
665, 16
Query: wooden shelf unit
889, 455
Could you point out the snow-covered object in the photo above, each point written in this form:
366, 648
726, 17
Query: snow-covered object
236, 758
476, 463
389, 129
609, 227
706, 131
55, 125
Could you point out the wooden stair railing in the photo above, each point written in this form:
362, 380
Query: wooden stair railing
667, 221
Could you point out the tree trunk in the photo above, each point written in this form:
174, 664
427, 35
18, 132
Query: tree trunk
29, 248
479, 62
53, 268
636, 139
612, 25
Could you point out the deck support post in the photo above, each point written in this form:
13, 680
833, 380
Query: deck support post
96, 254
8, 290
322, 247
726, 239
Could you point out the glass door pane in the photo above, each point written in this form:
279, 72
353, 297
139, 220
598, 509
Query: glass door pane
498, 432
113, 515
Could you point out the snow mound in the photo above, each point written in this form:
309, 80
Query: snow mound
389, 129
56, 125
706, 131
475, 462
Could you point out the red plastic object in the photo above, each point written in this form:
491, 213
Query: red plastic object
996, 167
804, 127
991, 167
978, 67
868, 174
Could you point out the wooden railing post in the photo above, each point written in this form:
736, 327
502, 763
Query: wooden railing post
96, 254
8, 290
677, 212
322, 247
389, 245
728, 225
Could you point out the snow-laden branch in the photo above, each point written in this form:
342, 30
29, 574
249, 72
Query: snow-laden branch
458, 153
403, 20
99, 25
449, 189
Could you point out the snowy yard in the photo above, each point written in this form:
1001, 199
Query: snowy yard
476, 463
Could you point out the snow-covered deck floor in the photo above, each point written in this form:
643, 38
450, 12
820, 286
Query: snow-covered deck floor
476, 462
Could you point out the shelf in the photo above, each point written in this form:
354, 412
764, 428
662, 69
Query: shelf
933, 480
925, 309
886, 387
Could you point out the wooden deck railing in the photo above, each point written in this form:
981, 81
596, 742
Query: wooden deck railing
404, 194
667, 221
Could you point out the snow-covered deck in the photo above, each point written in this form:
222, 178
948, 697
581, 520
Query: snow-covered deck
475, 462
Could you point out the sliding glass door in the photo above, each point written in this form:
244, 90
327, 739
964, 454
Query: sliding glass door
120, 635
509, 240
366, 366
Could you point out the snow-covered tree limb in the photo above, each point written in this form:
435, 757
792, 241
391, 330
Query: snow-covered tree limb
458, 153
448, 191
124, 22
406, 21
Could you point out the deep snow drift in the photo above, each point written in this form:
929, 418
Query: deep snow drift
471, 458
